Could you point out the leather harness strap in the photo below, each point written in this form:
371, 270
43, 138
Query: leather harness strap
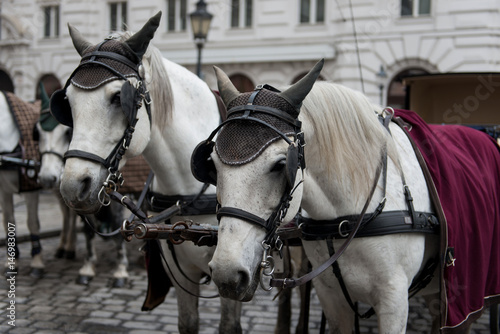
436, 202
293, 282
200, 204
389, 222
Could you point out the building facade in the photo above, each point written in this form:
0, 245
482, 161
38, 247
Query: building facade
368, 45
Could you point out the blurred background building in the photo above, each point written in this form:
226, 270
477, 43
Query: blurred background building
368, 45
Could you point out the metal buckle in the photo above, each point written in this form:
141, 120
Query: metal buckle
343, 234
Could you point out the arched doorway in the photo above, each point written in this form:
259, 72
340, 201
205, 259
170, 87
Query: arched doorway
6, 83
396, 94
50, 83
242, 82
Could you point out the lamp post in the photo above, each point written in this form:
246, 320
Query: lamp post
381, 75
200, 23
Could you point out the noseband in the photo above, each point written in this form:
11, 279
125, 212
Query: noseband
132, 96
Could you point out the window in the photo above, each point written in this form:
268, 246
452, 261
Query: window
50, 21
118, 16
312, 11
415, 7
176, 15
241, 13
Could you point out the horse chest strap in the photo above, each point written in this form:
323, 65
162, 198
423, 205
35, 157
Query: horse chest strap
389, 222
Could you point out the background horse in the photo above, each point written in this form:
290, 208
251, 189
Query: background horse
53, 141
12, 139
182, 111
345, 149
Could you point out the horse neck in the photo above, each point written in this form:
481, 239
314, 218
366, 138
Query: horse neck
193, 116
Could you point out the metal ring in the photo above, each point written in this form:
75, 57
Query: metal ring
265, 246
389, 111
343, 234
268, 264
103, 197
262, 283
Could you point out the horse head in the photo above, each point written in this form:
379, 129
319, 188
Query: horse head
258, 156
106, 102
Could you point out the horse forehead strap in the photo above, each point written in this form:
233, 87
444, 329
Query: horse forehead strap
255, 120
107, 61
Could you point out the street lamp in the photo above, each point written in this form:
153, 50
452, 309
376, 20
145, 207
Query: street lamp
382, 75
200, 23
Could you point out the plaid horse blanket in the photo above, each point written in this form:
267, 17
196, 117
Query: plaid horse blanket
465, 167
26, 115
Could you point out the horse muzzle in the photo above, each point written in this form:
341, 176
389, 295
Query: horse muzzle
237, 284
80, 190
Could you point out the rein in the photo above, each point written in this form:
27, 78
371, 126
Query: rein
293, 282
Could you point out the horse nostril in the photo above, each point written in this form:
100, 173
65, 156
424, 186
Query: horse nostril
243, 279
85, 187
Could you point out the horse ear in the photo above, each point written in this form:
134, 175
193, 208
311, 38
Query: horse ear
297, 93
139, 42
80, 43
226, 88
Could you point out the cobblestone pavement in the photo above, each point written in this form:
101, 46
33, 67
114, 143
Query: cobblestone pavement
55, 304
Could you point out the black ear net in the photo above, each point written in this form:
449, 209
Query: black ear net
203, 168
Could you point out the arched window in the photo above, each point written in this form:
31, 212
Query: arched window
396, 94
6, 82
242, 82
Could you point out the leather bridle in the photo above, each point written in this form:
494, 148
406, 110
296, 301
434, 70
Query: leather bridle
132, 97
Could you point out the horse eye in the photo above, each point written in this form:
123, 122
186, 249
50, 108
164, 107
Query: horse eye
279, 166
116, 99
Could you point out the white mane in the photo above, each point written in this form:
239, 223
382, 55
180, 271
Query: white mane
159, 87
344, 132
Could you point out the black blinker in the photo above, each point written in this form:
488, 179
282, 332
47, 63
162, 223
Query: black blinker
292, 164
129, 97
202, 165
60, 108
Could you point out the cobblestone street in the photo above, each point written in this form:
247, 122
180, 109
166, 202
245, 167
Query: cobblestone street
55, 304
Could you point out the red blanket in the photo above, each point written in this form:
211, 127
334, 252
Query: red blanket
465, 167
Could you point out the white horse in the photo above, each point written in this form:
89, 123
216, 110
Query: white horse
344, 145
53, 142
182, 111
9, 179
